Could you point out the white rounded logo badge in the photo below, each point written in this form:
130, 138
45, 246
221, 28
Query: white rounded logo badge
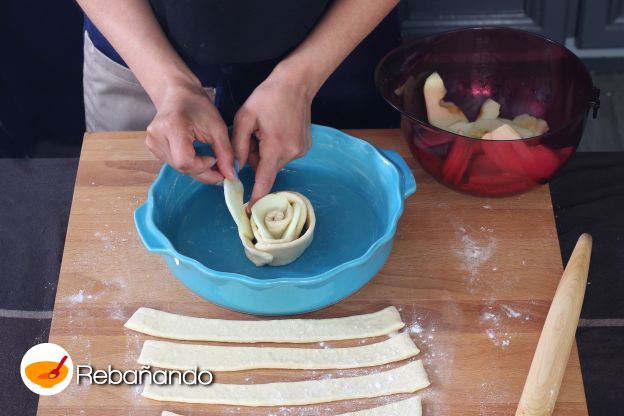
47, 369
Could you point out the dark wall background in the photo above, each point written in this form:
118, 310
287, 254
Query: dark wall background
40, 75
41, 110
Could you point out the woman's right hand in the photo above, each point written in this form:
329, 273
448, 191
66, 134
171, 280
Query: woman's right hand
184, 114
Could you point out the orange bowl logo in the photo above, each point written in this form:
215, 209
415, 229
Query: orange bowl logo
46, 369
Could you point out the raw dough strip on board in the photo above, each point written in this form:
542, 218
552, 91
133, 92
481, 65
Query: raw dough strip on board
172, 326
171, 355
407, 407
405, 379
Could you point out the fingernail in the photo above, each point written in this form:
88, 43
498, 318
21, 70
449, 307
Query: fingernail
236, 168
213, 163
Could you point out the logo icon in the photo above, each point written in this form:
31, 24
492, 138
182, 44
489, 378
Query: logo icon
46, 369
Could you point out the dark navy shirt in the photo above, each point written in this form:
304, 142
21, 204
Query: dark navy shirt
210, 33
244, 39
236, 31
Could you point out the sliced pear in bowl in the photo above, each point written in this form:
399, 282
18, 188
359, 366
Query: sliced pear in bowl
483, 126
461, 127
490, 109
446, 115
439, 112
503, 132
536, 125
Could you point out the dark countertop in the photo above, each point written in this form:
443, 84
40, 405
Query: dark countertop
588, 196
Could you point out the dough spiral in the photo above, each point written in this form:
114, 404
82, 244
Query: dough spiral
280, 229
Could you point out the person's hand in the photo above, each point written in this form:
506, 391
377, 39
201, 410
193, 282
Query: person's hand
278, 114
185, 114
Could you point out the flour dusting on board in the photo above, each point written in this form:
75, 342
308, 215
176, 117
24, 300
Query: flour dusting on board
415, 328
511, 313
492, 319
96, 289
112, 240
495, 319
75, 298
474, 250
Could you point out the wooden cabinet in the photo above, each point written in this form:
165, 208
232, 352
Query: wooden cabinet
600, 24
587, 24
547, 17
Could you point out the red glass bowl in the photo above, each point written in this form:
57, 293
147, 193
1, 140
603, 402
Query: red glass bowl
524, 72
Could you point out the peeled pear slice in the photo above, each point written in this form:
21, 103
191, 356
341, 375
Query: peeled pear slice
280, 229
233, 192
536, 125
439, 112
504, 132
490, 109
447, 116
461, 127
483, 126
524, 133
535, 162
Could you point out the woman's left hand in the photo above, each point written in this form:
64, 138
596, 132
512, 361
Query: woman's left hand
278, 114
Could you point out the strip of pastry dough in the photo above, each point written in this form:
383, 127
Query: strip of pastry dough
405, 379
172, 326
218, 358
407, 407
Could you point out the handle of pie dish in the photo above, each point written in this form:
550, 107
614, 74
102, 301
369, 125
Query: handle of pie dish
408, 182
146, 230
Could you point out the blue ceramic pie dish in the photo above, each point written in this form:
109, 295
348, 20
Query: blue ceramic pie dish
358, 194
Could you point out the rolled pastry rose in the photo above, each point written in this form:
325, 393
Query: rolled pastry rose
280, 229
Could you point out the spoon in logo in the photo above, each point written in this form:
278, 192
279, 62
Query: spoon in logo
54, 373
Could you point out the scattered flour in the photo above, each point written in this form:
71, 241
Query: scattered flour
473, 254
415, 328
495, 318
510, 312
116, 312
75, 298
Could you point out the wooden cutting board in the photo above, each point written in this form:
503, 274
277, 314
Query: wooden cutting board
473, 278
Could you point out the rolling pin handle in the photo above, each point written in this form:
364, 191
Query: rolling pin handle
541, 388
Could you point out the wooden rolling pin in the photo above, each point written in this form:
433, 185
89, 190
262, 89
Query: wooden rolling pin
555, 343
